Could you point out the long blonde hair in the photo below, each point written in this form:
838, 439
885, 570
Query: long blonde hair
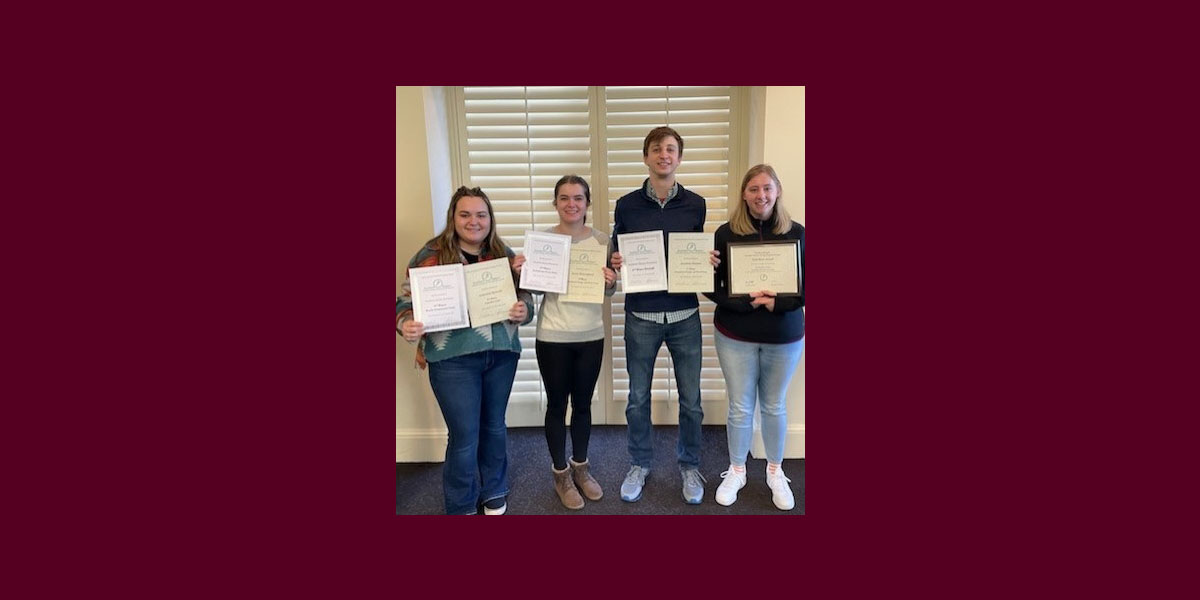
446, 242
739, 214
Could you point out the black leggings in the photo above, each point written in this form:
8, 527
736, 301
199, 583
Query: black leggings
569, 369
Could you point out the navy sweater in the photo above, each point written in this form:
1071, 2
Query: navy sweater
636, 212
735, 317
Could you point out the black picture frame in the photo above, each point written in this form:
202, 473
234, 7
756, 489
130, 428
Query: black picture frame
729, 272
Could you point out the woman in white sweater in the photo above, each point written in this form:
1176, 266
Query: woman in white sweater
570, 346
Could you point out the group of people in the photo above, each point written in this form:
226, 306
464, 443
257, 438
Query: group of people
759, 339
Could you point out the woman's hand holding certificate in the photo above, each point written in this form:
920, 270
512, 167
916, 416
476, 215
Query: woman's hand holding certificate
765, 298
518, 312
412, 330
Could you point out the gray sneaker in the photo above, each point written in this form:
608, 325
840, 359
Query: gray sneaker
631, 490
693, 489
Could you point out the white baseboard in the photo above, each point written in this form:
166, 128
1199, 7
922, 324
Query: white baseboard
420, 445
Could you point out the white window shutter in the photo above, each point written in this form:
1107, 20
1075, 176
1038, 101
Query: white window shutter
518, 141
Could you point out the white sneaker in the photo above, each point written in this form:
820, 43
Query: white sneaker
781, 494
499, 504
732, 481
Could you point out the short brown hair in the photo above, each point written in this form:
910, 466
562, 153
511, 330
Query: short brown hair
659, 133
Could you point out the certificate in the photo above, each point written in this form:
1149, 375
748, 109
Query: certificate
643, 261
689, 268
586, 280
547, 262
757, 266
490, 291
439, 297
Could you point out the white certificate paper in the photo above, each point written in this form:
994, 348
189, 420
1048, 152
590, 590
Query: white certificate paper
643, 261
547, 262
690, 270
586, 281
490, 291
439, 297
768, 266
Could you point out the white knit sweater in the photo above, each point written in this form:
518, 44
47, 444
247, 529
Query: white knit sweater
565, 322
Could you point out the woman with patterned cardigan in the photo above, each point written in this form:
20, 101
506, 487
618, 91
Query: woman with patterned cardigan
471, 370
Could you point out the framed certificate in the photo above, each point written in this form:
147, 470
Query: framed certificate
547, 262
490, 291
757, 266
439, 297
643, 261
688, 266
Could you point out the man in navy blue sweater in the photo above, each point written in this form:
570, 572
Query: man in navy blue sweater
652, 318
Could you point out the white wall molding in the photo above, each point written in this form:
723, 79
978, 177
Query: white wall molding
420, 445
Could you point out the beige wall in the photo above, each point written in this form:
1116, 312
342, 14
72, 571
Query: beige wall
783, 149
783, 144
420, 430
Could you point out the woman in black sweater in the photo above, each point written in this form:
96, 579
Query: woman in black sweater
759, 338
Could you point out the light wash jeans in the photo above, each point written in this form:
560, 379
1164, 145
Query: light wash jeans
757, 371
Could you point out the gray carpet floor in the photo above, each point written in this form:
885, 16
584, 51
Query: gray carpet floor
419, 485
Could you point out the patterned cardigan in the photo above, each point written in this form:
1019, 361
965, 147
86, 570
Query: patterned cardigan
441, 345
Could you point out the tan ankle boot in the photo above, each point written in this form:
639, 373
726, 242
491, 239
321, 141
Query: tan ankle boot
587, 484
566, 489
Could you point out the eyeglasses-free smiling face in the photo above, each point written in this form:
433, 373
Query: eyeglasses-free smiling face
472, 222
760, 196
663, 156
571, 203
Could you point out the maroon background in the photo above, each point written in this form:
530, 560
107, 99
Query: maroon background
230, 201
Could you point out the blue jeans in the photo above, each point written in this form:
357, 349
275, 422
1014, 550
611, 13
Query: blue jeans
760, 371
642, 341
472, 391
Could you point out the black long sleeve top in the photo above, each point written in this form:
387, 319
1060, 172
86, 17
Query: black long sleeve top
735, 317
